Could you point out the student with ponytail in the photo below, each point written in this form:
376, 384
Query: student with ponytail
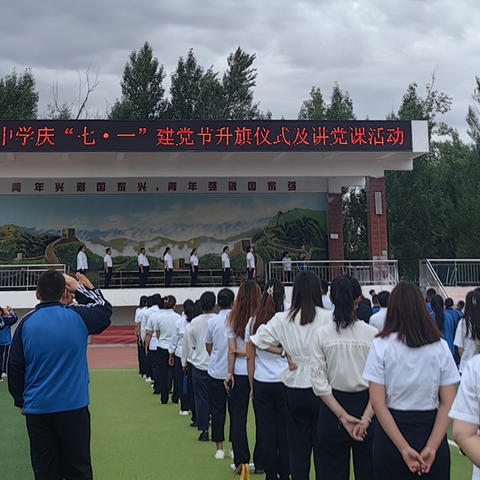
267, 391
445, 323
339, 354
168, 263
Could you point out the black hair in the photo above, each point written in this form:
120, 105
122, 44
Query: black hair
143, 301
374, 299
150, 301
448, 303
225, 249
366, 302
472, 315
187, 303
431, 292
156, 299
207, 301
192, 311
437, 307
193, 251
225, 298
383, 297
285, 253
141, 248
306, 295
170, 301
108, 250
344, 290
324, 287
270, 303
51, 286
166, 251
81, 247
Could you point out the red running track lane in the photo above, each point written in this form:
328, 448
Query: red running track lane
112, 357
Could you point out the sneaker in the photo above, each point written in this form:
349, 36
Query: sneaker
220, 454
204, 436
148, 379
230, 454
259, 471
144, 376
1, 379
184, 412
193, 424
4, 375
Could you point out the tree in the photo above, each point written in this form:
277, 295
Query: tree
473, 114
238, 82
142, 90
341, 105
18, 98
314, 108
355, 234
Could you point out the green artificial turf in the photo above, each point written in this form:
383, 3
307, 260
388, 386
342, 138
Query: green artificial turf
134, 437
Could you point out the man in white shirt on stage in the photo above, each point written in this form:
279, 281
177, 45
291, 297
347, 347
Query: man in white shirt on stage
250, 263
82, 261
143, 267
108, 264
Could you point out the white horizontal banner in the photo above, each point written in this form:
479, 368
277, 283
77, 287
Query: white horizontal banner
130, 186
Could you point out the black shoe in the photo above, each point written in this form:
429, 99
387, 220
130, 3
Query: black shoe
155, 393
259, 471
204, 436
193, 424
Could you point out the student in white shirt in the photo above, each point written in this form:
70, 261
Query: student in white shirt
250, 263
267, 391
193, 268
225, 267
151, 339
326, 301
139, 314
143, 338
217, 347
82, 261
377, 320
237, 384
467, 335
412, 378
339, 353
195, 349
143, 267
165, 321
168, 263
287, 267
108, 264
466, 414
294, 331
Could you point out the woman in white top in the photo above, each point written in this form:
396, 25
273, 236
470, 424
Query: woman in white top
467, 335
82, 261
216, 341
250, 263
412, 378
225, 267
168, 264
139, 314
294, 331
176, 350
165, 321
237, 384
339, 353
267, 391
287, 267
193, 268
466, 414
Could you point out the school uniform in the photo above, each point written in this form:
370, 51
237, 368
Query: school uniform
153, 346
269, 403
145, 264
225, 269
377, 320
187, 365
287, 269
412, 378
466, 406
108, 263
194, 270
216, 336
326, 302
6, 339
164, 323
461, 340
250, 265
82, 262
139, 313
176, 349
194, 347
448, 329
168, 262
337, 364
303, 405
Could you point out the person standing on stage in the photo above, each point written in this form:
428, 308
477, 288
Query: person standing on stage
7, 319
168, 263
143, 267
139, 315
413, 379
151, 339
287, 267
250, 263
82, 261
225, 267
48, 373
193, 268
108, 264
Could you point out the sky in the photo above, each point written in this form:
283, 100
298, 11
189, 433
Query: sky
373, 48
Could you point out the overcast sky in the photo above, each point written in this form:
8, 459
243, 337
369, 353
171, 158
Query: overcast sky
372, 48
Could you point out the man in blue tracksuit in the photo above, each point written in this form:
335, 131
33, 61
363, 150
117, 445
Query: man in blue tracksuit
7, 319
48, 374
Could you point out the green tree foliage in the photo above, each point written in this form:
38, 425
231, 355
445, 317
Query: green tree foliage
142, 88
18, 97
314, 108
473, 114
355, 234
341, 105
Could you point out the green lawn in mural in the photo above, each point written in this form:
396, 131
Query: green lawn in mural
45, 229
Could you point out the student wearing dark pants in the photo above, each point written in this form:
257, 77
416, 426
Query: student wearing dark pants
168, 262
225, 267
202, 407
151, 339
191, 395
193, 267
143, 267
163, 374
108, 264
294, 330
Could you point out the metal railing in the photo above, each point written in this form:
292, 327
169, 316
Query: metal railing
429, 277
25, 277
456, 272
367, 272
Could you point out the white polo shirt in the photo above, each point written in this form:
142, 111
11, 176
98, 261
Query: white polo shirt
194, 348
82, 262
287, 264
468, 345
216, 335
194, 260
143, 260
251, 257
378, 319
166, 320
168, 261
240, 366
225, 260
108, 260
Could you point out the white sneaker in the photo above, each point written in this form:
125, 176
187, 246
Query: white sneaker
230, 454
220, 454
1, 379
144, 376
4, 375
148, 379
184, 412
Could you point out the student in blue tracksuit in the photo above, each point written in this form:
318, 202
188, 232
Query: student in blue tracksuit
48, 374
7, 319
